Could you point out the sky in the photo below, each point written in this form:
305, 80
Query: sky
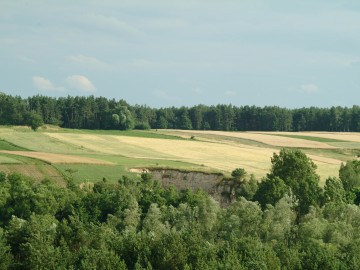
162, 53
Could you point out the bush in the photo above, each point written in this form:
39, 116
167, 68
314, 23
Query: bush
143, 126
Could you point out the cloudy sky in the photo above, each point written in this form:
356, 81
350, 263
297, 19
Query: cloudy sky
163, 53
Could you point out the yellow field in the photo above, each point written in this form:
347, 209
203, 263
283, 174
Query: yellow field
210, 150
342, 136
217, 155
269, 138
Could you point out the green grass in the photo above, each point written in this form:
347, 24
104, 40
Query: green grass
346, 145
37, 141
92, 173
8, 160
340, 154
5, 145
310, 138
136, 162
22, 160
131, 133
127, 153
38, 172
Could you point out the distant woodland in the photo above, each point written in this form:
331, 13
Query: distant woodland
102, 113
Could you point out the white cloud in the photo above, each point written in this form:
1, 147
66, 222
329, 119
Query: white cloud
309, 88
88, 61
81, 83
45, 85
111, 23
230, 93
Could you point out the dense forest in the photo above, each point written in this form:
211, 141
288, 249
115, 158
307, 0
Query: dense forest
102, 113
284, 222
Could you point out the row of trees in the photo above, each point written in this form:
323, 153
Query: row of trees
286, 222
102, 113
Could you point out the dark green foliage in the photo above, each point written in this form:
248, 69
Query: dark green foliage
238, 173
334, 191
352, 254
350, 174
248, 188
184, 120
34, 120
102, 113
298, 173
242, 218
350, 179
270, 191
94, 259
320, 256
142, 126
239, 186
137, 224
6, 258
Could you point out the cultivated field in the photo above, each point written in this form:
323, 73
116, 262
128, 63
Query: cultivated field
57, 158
280, 139
91, 155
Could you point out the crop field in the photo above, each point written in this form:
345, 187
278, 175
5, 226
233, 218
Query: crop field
56, 158
91, 155
268, 138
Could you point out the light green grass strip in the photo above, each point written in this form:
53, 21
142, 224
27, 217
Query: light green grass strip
8, 160
130, 133
309, 138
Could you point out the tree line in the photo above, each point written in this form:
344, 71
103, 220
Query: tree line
102, 113
285, 222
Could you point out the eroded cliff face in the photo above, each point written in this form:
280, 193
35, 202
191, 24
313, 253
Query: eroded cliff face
184, 180
211, 183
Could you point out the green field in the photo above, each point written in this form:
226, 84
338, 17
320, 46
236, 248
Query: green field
207, 151
5, 145
312, 138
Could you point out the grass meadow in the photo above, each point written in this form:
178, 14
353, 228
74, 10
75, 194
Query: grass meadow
89, 155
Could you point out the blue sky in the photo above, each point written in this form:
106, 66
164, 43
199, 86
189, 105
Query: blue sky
173, 53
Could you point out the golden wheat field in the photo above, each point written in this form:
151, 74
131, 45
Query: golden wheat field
216, 155
266, 138
210, 150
